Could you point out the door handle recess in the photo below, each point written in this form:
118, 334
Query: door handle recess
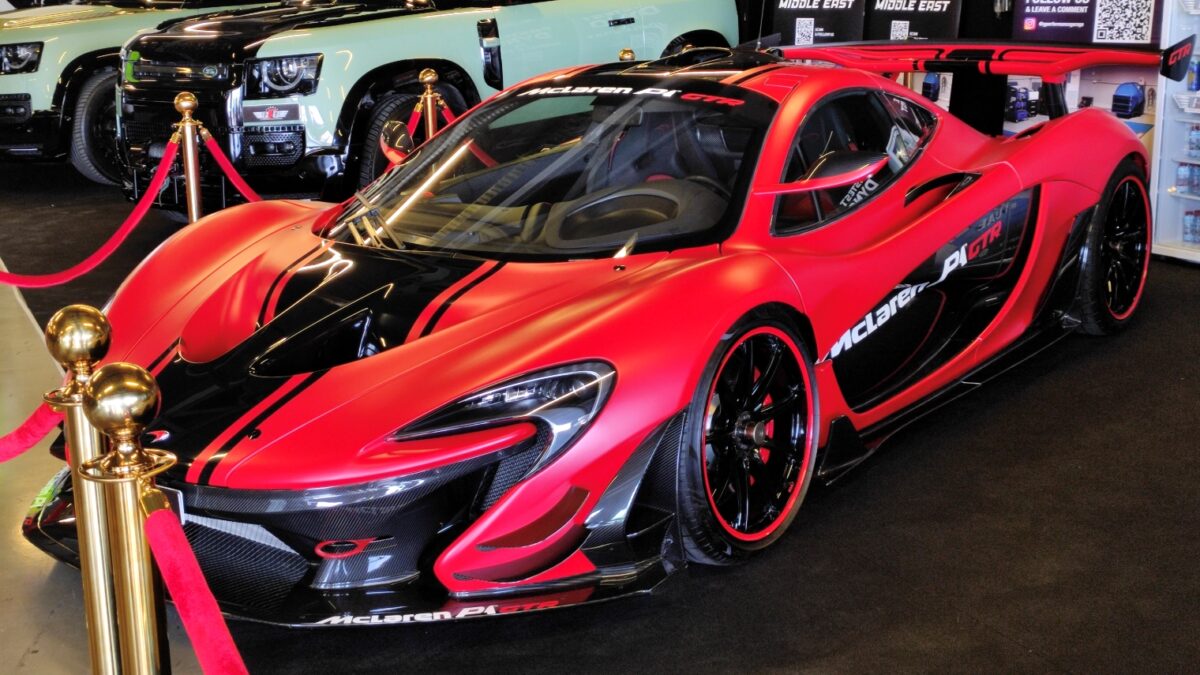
960, 181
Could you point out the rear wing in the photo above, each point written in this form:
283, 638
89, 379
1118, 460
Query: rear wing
1051, 63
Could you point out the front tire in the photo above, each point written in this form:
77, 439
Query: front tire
94, 151
751, 446
1116, 253
398, 106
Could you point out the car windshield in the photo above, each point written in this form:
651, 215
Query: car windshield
602, 166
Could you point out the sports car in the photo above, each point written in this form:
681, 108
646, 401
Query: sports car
614, 321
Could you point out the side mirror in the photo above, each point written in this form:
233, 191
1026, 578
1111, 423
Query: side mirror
834, 170
395, 141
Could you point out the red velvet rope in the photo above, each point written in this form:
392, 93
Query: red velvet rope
113, 243
231, 173
41, 422
414, 120
189, 590
448, 115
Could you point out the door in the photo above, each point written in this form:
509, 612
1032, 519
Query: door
536, 37
935, 312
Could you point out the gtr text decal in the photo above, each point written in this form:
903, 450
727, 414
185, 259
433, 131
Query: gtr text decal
906, 294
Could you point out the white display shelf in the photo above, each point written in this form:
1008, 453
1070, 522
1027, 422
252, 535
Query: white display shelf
1191, 6
1177, 249
1190, 102
1183, 195
1184, 159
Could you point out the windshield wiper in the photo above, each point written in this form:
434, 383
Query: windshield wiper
373, 227
627, 249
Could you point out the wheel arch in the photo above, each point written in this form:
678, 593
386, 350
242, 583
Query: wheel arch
703, 37
389, 78
66, 93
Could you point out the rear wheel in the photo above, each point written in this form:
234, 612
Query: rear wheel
1116, 255
399, 107
94, 133
752, 441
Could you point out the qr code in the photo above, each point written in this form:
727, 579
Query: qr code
1124, 21
899, 30
804, 31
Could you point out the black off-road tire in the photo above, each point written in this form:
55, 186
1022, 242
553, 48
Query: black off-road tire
398, 106
1116, 253
706, 534
94, 151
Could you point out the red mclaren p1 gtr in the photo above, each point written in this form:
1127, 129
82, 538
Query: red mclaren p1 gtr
615, 320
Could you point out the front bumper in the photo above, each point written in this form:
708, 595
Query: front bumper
26, 133
276, 556
276, 158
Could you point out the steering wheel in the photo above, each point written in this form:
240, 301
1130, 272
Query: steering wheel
712, 184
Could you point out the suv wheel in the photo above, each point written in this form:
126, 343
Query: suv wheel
94, 150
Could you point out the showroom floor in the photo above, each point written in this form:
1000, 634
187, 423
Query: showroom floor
1047, 523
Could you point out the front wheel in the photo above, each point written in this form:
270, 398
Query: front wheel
398, 107
94, 150
1116, 254
752, 441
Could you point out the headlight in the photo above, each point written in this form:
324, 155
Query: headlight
21, 58
564, 401
282, 76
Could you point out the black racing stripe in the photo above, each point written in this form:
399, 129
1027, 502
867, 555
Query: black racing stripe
441, 311
158, 361
753, 73
252, 425
262, 312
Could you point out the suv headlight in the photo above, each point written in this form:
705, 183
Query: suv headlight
563, 400
22, 58
282, 76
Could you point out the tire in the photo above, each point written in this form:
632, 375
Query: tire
1116, 253
391, 107
702, 39
94, 151
728, 445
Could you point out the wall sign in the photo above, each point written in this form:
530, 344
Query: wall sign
1119, 23
913, 19
808, 22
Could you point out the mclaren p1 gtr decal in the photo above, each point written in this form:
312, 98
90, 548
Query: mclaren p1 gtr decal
938, 310
429, 617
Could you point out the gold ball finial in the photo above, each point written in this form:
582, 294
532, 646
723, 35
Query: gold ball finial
429, 77
78, 336
627, 55
186, 103
119, 400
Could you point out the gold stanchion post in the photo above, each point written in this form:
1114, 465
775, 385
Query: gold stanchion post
431, 101
120, 399
78, 337
188, 135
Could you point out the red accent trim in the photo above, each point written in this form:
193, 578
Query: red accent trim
360, 545
1137, 299
545, 526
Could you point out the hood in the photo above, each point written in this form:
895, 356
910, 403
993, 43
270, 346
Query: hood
232, 37
271, 332
53, 17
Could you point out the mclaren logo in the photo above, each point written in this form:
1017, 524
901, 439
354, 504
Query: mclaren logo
905, 295
429, 617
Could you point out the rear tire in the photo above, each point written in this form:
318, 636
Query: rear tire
751, 443
398, 106
1116, 253
94, 151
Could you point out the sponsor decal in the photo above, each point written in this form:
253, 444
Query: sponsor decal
630, 91
272, 113
429, 617
905, 295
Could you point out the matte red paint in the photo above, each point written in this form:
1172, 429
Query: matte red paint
657, 320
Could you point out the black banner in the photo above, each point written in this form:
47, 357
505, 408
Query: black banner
1116, 23
913, 19
808, 22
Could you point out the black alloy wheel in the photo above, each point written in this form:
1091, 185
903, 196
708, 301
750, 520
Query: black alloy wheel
755, 443
94, 151
1116, 253
1125, 249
